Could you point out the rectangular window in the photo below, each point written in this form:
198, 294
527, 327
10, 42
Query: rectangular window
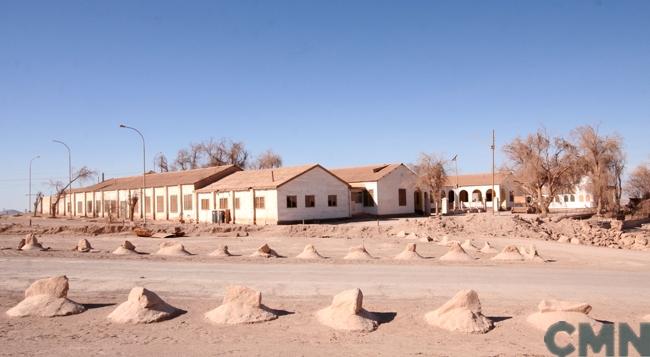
223, 203
98, 206
402, 197
368, 200
160, 204
147, 204
310, 201
173, 204
80, 207
331, 201
89, 206
137, 206
292, 201
187, 202
205, 204
113, 206
357, 197
236, 202
69, 207
259, 202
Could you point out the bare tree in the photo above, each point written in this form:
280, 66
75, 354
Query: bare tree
160, 163
133, 203
268, 160
37, 201
604, 161
432, 175
225, 152
543, 166
638, 183
61, 188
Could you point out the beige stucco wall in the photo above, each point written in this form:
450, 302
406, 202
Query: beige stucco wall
359, 208
388, 192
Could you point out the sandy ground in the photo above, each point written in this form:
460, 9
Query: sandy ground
614, 281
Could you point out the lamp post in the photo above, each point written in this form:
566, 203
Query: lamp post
144, 173
29, 196
69, 173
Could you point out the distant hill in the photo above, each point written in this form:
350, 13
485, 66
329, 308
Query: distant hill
9, 212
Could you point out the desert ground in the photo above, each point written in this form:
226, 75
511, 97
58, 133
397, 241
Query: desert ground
612, 277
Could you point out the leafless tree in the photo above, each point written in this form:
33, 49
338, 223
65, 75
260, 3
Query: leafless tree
604, 161
638, 183
133, 203
268, 160
37, 201
543, 166
61, 188
225, 152
160, 163
432, 175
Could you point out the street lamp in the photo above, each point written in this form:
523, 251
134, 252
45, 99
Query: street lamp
29, 196
144, 173
69, 172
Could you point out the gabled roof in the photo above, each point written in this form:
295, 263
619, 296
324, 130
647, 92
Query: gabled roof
368, 173
261, 179
197, 177
480, 179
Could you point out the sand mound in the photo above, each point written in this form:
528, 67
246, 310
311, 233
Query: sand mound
142, 307
444, 240
509, 253
83, 246
552, 311
456, 253
265, 252
409, 253
462, 313
172, 249
531, 254
47, 298
30, 243
221, 251
125, 248
358, 253
346, 313
469, 246
310, 252
488, 249
241, 305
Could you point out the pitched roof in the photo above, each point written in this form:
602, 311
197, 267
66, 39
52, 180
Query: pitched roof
481, 179
368, 173
260, 179
196, 177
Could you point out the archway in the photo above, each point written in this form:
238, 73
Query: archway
477, 196
463, 196
488, 195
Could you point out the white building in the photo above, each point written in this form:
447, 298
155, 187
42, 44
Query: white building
275, 196
384, 190
580, 199
475, 192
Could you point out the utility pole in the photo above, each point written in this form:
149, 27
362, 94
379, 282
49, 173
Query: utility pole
143, 215
29, 196
494, 196
65, 205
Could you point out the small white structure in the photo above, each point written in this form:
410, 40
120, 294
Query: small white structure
475, 192
384, 190
580, 199
275, 196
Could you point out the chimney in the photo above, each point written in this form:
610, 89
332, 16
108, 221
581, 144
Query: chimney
272, 177
102, 177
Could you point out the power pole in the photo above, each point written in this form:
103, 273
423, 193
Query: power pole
494, 196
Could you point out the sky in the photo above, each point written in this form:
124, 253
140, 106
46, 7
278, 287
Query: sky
339, 83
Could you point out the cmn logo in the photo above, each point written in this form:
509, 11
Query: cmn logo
587, 338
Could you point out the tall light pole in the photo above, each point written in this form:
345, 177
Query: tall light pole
494, 196
69, 173
144, 173
29, 196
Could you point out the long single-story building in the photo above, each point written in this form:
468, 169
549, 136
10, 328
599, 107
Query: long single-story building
474, 191
168, 195
274, 196
384, 190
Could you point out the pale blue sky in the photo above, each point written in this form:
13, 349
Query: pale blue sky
335, 82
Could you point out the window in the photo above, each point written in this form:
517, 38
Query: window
357, 197
368, 200
236, 202
89, 206
137, 206
173, 203
331, 201
80, 207
69, 207
581, 198
113, 206
588, 198
310, 201
223, 203
573, 198
160, 204
147, 204
259, 202
557, 199
566, 198
98, 206
205, 204
187, 202
292, 201
402, 197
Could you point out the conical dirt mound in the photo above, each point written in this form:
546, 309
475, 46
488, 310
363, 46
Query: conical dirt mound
409, 253
346, 313
265, 251
488, 249
310, 252
172, 249
358, 253
142, 307
125, 248
241, 305
47, 298
551, 311
509, 253
462, 314
456, 254
221, 251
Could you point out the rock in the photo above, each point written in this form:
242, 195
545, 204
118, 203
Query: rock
401, 234
125, 248
468, 245
563, 239
221, 251
488, 249
241, 305
346, 313
551, 311
409, 253
172, 249
265, 251
444, 240
509, 253
31, 243
142, 307
456, 253
21, 244
641, 241
47, 298
462, 314
425, 239
628, 240
532, 255
83, 246
575, 241
310, 252
358, 253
